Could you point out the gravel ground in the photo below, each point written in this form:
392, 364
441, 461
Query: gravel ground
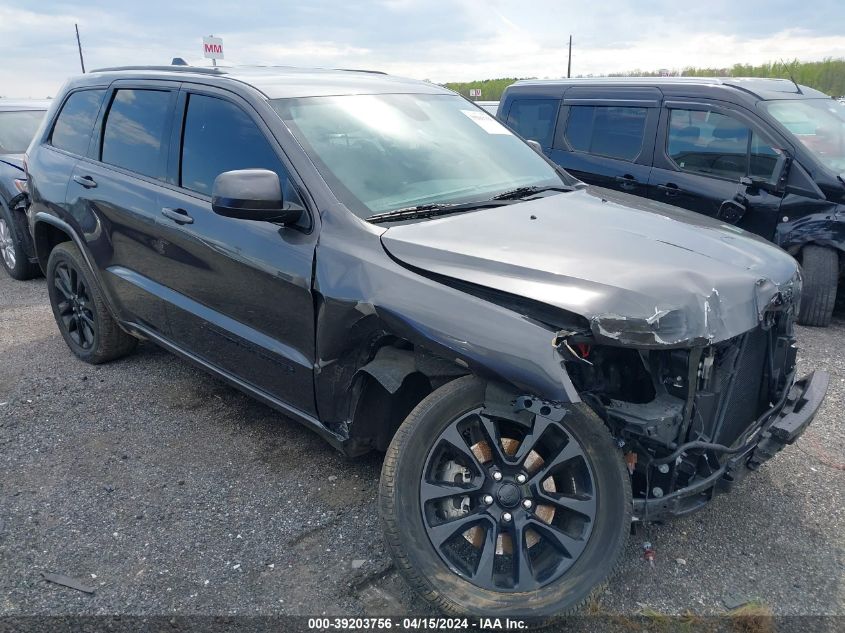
170, 493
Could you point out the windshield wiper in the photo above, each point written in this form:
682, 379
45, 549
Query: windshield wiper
432, 210
522, 192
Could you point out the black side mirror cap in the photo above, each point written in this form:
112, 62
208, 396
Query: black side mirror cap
251, 194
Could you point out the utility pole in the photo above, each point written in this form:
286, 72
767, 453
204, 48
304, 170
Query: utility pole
569, 65
79, 46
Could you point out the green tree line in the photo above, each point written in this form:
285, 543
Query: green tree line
827, 75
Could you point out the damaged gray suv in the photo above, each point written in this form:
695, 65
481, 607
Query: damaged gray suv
384, 262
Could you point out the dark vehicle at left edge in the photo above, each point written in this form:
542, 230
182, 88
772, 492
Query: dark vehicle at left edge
19, 121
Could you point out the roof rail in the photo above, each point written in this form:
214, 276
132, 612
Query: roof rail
180, 69
361, 70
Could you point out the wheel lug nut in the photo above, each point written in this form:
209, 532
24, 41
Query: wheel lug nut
506, 517
526, 503
497, 476
521, 478
488, 499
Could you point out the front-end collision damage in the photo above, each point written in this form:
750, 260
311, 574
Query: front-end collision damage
703, 320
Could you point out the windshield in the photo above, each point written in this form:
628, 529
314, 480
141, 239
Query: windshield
17, 130
818, 123
384, 152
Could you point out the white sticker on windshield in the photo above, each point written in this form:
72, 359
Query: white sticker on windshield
486, 122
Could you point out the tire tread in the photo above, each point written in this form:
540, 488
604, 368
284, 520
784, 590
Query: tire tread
821, 278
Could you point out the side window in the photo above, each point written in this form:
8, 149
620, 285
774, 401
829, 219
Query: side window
708, 143
219, 137
135, 129
534, 119
72, 131
612, 131
763, 158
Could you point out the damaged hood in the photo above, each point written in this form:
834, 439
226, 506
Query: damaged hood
641, 272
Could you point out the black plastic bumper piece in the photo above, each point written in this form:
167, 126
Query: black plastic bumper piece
798, 410
801, 406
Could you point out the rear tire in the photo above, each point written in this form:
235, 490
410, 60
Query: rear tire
12, 253
821, 279
408, 531
81, 314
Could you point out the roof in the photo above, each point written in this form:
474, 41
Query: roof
762, 88
8, 105
277, 82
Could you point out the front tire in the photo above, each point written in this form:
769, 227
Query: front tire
536, 529
81, 314
821, 278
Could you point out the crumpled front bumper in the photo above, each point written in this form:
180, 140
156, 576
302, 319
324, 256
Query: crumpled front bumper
780, 426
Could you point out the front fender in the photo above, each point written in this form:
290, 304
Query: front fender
824, 229
365, 297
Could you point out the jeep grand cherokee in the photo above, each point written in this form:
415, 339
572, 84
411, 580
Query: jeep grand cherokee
384, 262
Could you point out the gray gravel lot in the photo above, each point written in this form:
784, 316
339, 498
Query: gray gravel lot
171, 493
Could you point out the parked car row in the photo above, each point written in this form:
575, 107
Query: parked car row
765, 155
377, 258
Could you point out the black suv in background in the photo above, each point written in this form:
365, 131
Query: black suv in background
389, 265
766, 155
19, 121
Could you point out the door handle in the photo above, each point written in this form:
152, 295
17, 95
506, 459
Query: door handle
85, 181
627, 181
180, 216
670, 189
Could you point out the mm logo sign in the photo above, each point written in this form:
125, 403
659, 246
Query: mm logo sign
212, 47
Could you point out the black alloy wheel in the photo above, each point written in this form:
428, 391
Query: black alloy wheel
83, 319
74, 308
508, 507
504, 511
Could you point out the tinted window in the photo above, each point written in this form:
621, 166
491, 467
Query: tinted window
708, 143
17, 130
616, 132
72, 131
763, 158
534, 119
136, 127
219, 137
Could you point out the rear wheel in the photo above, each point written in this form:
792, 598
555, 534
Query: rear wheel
83, 319
821, 278
520, 516
12, 254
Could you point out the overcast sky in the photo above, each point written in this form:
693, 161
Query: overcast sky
428, 39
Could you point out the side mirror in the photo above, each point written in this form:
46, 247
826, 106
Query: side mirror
535, 146
251, 194
778, 180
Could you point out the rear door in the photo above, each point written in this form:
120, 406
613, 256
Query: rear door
703, 151
238, 291
605, 136
65, 143
114, 194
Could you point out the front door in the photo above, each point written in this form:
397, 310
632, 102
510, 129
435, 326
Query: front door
238, 291
702, 152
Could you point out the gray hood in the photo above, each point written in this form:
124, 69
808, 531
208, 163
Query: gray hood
643, 273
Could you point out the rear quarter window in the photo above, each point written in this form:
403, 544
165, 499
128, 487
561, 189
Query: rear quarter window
534, 119
72, 130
